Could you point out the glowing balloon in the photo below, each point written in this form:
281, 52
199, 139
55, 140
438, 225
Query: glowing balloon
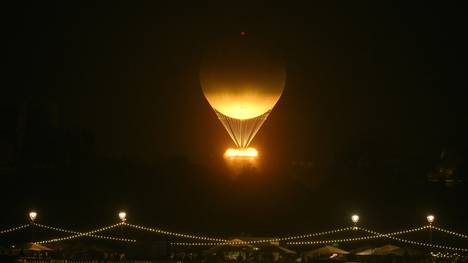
242, 82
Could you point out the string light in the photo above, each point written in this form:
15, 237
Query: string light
55, 228
13, 229
88, 234
379, 235
343, 240
444, 255
450, 232
313, 242
302, 237
415, 242
269, 240
225, 241
78, 233
196, 243
401, 232
220, 241
169, 233
318, 234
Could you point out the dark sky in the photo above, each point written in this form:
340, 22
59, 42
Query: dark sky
102, 109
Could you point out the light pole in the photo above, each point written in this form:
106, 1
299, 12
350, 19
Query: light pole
32, 218
355, 219
430, 220
123, 218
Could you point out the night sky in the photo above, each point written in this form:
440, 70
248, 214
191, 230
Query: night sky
102, 110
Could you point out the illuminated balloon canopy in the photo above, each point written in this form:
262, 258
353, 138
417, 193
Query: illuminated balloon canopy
242, 82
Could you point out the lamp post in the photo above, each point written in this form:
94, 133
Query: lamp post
430, 220
123, 218
355, 219
32, 218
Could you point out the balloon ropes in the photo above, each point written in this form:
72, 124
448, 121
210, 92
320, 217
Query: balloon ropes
242, 132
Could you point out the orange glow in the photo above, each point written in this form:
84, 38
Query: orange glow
242, 102
241, 153
242, 81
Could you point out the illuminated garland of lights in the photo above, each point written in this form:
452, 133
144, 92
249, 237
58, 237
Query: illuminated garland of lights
379, 235
56, 229
415, 242
444, 255
85, 234
199, 243
13, 229
301, 236
169, 233
450, 232
220, 241
304, 236
356, 238
374, 236
342, 240
78, 233
269, 240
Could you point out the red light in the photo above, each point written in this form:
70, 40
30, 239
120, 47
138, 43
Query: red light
243, 33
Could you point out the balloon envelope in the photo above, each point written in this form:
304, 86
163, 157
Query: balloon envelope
242, 82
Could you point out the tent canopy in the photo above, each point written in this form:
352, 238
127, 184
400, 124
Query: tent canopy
34, 247
366, 252
390, 250
386, 250
383, 250
325, 251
